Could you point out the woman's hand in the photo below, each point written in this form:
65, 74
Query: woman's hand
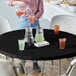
20, 13
32, 19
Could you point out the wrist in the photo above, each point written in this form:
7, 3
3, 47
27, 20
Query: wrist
35, 18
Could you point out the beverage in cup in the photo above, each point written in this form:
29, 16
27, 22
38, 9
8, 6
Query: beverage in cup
56, 29
39, 37
62, 43
21, 44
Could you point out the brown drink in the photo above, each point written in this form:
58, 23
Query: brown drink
62, 43
56, 29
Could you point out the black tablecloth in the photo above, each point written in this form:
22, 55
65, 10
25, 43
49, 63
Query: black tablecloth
9, 46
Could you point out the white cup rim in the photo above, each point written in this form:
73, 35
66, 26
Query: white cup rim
62, 39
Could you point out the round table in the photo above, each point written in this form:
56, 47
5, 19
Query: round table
9, 46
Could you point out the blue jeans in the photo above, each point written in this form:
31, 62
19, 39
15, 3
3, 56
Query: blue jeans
24, 23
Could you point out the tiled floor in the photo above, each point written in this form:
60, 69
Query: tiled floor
49, 70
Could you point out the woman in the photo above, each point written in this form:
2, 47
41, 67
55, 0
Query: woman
32, 7
31, 10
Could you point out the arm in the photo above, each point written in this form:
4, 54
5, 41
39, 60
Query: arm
14, 2
40, 10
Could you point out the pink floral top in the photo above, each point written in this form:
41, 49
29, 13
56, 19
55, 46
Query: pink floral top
36, 6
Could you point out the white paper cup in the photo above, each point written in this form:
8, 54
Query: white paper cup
21, 44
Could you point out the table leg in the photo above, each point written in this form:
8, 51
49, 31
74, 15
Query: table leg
60, 67
52, 64
14, 67
42, 72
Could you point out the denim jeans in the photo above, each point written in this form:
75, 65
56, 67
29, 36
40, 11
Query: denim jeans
24, 23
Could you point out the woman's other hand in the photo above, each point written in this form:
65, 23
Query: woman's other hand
20, 13
32, 19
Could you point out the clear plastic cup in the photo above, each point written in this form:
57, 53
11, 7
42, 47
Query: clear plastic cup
62, 43
21, 44
56, 29
39, 37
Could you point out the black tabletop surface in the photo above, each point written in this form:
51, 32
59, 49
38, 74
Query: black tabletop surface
9, 46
